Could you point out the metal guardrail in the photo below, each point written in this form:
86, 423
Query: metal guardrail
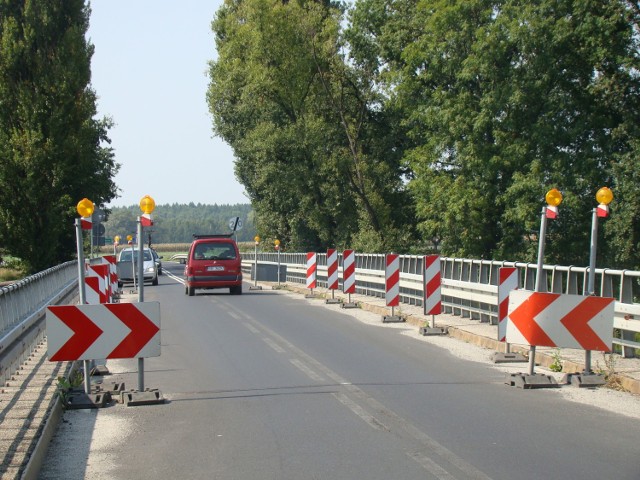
22, 312
470, 287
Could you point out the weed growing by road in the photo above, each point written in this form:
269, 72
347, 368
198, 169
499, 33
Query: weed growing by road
556, 365
608, 371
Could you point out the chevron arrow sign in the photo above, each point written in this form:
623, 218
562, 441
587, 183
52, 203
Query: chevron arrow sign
554, 320
110, 330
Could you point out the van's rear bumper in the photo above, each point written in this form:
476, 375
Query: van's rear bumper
204, 281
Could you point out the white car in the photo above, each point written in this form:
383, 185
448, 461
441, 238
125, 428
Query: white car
126, 266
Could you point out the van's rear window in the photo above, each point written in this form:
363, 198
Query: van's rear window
214, 251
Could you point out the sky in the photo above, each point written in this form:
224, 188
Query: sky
149, 71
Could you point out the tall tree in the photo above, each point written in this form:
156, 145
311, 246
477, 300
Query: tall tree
52, 149
504, 100
314, 155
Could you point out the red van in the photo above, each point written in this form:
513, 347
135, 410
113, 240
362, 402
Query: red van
213, 262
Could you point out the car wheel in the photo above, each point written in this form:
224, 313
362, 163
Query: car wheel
154, 282
119, 284
191, 291
236, 290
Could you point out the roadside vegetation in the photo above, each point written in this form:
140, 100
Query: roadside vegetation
412, 126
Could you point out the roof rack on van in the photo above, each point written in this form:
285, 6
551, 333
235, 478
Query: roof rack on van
221, 235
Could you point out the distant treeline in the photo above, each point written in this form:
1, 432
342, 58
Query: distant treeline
176, 223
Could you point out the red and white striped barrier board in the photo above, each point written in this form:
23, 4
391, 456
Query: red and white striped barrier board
602, 211
432, 282
349, 271
392, 280
113, 273
554, 320
312, 265
551, 212
508, 280
112, 330
86, 223
92, 290
332, 269
96, 282
146, 220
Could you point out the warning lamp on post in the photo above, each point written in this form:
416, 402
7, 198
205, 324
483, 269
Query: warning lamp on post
604, 197
276, 242
85, 209
550, 211
255, 286
553, 199
130, 239
147, 205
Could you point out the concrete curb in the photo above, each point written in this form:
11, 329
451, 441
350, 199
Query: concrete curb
51, 422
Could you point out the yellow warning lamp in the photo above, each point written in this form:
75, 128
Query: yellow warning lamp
85, 208
257, 239
276, 242
604, 196
147, 204
553, 197
117, 238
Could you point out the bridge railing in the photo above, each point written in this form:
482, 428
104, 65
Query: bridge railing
470, 287
22, 312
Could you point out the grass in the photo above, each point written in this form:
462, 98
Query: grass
10, 274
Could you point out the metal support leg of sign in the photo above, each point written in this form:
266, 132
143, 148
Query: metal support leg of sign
531, 380
587, 378
83, 298
349, 303
255, 285
140, 296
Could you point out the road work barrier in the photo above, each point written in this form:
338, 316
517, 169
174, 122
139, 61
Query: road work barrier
469, 288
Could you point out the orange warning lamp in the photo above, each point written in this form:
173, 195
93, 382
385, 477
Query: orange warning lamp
553, 197
604, 196
147, 204
85, 208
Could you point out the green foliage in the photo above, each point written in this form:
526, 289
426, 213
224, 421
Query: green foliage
51, 152
556, 365
503, 101
176, 223
317, 158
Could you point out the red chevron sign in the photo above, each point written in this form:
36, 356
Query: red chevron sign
110, 330
554, 320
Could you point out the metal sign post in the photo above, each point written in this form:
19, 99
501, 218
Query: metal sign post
604, 196
85, 209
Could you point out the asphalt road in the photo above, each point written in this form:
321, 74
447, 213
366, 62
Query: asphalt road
268, 385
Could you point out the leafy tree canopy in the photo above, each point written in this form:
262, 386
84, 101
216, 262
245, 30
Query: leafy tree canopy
53, 152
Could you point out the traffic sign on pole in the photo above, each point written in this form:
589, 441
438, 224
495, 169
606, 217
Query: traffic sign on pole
111, 330
555, 320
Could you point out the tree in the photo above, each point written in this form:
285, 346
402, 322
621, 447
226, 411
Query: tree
52, 151
504, 100
316, 157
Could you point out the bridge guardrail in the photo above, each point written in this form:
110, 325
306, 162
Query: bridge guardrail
22, 312
470, 287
